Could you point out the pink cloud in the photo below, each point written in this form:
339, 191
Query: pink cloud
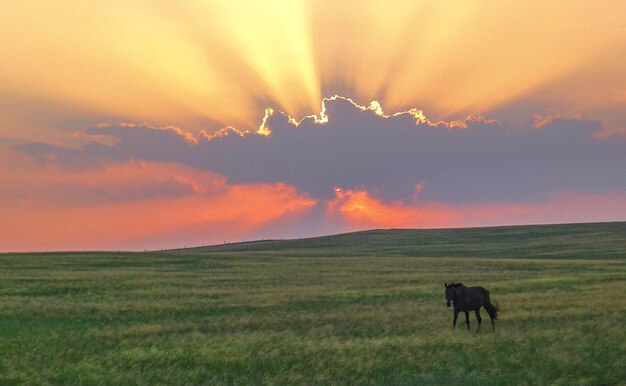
360, 210
126, 205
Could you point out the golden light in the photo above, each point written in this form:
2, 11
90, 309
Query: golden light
207, 64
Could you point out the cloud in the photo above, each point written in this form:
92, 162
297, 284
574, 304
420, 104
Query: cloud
133, 205
550, 116
363, 148
134, 186
359, 210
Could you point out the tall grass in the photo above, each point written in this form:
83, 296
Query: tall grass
240, 318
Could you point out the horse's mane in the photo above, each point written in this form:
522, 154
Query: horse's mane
456, 285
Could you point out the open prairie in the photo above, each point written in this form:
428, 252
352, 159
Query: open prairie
362, 308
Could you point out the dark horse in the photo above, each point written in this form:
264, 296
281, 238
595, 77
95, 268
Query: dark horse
468, 299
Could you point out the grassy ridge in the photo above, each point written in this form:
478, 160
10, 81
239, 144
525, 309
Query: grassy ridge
214, 316
569, 241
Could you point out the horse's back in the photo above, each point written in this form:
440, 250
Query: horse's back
480, 290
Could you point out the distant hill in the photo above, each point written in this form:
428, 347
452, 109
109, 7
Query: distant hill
563, 241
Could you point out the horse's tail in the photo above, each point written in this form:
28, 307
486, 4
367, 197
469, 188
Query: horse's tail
492, 309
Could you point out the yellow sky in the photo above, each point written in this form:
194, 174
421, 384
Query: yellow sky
205, 64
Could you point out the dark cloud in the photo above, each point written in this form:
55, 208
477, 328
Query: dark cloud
358, 149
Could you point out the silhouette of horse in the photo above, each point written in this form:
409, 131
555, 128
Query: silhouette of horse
465, 299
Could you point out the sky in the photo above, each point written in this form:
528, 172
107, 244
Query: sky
132, 125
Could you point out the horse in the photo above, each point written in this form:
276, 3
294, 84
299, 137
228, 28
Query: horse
465, 299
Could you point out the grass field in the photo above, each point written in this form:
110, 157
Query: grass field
363, 308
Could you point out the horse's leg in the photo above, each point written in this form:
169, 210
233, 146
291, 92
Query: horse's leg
493, 324
456, 315
467, 319
478, 318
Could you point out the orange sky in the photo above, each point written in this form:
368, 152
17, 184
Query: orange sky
203, 65
51, 208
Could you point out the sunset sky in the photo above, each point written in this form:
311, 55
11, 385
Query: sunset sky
161, 124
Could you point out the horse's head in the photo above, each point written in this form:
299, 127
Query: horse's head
449, 293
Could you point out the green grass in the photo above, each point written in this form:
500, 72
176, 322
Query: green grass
364, 308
